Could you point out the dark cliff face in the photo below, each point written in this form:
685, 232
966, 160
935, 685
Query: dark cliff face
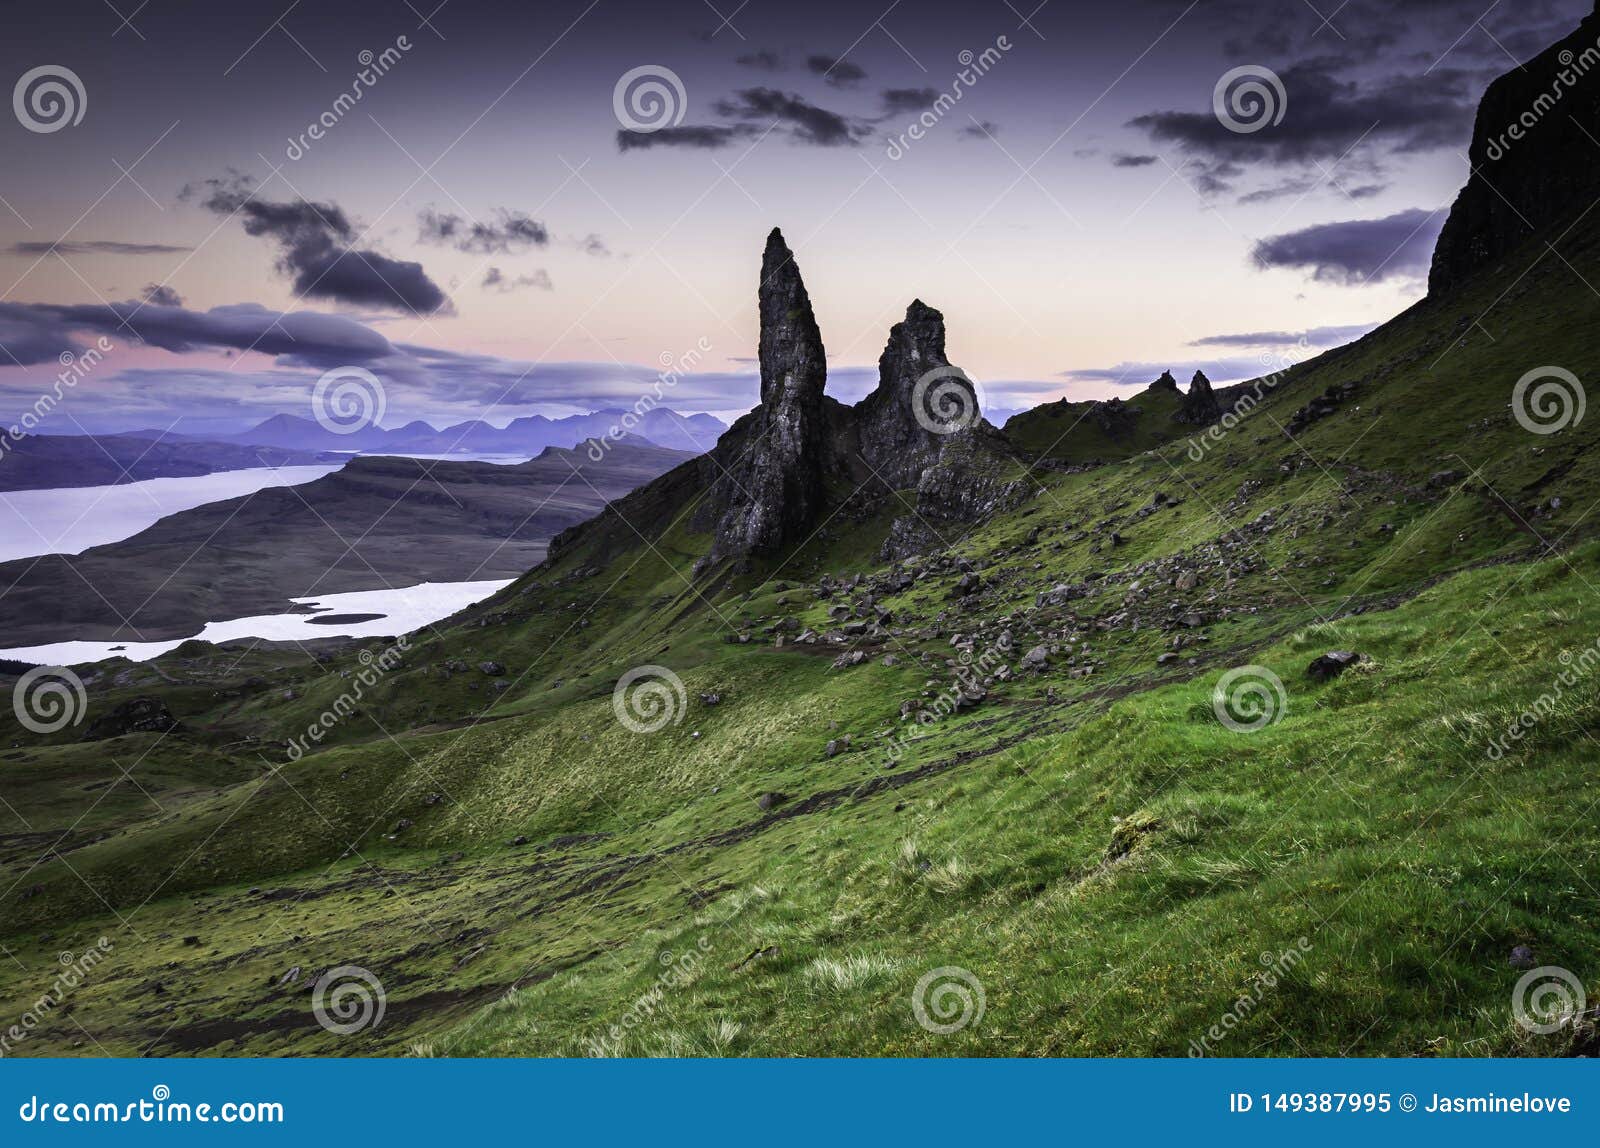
1534, 157
768, 473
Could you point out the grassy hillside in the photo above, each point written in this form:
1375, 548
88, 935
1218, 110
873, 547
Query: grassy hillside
778, 870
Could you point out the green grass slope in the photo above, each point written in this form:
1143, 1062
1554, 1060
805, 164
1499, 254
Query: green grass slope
777, 871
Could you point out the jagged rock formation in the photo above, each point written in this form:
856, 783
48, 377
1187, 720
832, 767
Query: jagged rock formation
970, 480
893, 441
768, 472
1165, 383
770, 475
1200, 407
1533, 156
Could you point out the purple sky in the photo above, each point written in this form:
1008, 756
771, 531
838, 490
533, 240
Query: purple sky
481, 232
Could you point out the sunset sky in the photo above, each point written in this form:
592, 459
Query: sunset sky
483, 232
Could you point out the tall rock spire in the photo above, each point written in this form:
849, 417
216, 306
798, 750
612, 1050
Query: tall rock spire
769, 470
793, 364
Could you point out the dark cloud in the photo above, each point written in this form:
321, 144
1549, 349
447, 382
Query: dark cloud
806, 122
1320, 337
496, 280
1357, 251
1132, 160
1328, 117
506, 233
300, 337
793, 115
762, 61
898, 101
1303, 185
1463, 30
982, 130
315, 242
93, 247
839, 73
592, 244
700, 136
160, 295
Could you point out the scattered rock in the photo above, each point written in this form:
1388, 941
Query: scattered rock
1332, 664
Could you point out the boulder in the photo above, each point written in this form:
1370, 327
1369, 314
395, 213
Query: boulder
1331, 665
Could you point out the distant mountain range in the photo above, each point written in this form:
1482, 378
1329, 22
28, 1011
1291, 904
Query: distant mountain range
49, 462
529, 436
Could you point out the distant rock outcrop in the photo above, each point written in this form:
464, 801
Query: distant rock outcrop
1200, 407
1534, 157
